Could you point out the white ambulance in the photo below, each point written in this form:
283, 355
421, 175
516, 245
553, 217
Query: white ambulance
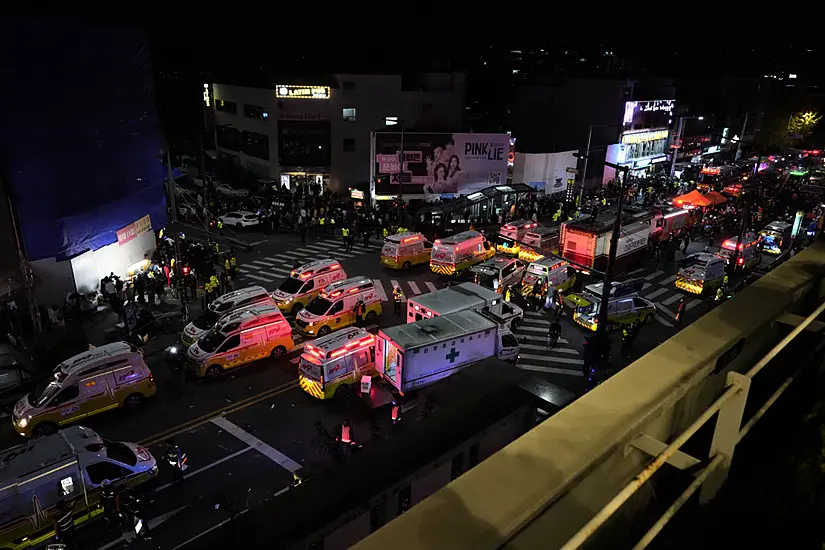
306, 282
700, 273
456, 253
329, 364
511, 234
749, 254
334, 307
221, 306
557, 274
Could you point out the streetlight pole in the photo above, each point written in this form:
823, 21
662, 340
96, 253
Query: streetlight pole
401, 170
682, 120
584, 172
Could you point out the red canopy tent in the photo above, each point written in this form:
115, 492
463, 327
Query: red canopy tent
694, 198
716, 198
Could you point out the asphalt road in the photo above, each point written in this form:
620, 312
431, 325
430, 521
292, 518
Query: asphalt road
247, 432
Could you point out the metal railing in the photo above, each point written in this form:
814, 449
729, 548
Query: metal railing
727, 434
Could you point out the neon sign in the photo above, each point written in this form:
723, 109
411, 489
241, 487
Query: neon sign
302, 92
643, 136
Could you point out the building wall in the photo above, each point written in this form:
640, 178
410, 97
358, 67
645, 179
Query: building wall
436, 100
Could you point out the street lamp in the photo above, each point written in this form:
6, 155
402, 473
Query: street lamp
678, 141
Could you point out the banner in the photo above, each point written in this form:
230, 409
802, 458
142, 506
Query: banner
132, 230
438, 164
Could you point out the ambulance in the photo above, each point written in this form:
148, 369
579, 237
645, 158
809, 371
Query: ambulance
749, 255
306, 282
331, 363
504, 270
555, 272
334, 308
511, 234
539, 242
625, 306
700, 273
405, 250
223, 305
240, 338
775, 237
454, 254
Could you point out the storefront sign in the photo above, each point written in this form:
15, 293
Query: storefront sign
641, 163
302, 92
713, 149
644, 135
356, 194
131, 231
657, 160
283, 115
206, 99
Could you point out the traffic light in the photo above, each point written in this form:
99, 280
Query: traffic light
382, 180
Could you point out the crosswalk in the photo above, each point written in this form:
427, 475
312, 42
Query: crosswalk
536, 356
271, 269
658, 288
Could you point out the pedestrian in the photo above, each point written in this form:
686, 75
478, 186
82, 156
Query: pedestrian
110, 499
137, 526
398, 299
360, 312
176, 459
680, 310
64, 528
365, 234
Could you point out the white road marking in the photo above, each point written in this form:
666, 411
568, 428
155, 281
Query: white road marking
552, 370
672, 300
313, 247
260, 277
281, 271
532, 338
663, 309
550, 358
692, 304
258, 242
669, 280
291, 255
379, 288
532, 329
536, 347
656, 293
270, 452
646, 286
663, 321
205, 468
533, 314
654, 275
543, 322
414, 287
430, 286
262, 262
152, 524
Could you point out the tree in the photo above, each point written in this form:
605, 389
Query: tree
800, 125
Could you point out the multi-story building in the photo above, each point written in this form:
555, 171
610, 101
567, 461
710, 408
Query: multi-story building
319, 131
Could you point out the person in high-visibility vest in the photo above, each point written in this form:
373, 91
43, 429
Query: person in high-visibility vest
220, 226
398, 299
386, 233
227, 266
345, 236
233, 263
680, 310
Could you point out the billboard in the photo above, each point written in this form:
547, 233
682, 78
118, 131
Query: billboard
437, 164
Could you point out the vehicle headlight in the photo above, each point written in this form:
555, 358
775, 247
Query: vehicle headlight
312, 324
23, 422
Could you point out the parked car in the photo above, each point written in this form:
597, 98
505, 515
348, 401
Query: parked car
230, 191
16, 374
240, 218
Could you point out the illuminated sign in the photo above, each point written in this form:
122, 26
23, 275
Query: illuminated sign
206, 100
657, 106
356, 194
645, 135
302, 92
713, 149
656, 160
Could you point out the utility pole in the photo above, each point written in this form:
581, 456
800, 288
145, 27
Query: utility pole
677, 146
584, 172
734, 258
741, 137
173, 221
28, 276
401, 171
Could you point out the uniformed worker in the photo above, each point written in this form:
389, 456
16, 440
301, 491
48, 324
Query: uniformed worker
233, 263
220, 226
398, 299
64, 528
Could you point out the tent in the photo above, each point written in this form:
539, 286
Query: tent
716, 198
694, 198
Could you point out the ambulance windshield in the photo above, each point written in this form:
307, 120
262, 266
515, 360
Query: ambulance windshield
318, 306
291, 285
206, 319
211, 341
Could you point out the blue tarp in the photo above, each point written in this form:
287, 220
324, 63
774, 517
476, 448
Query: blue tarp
79, 138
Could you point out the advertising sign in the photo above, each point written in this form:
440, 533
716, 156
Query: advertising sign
126, 234
301, 92
437, 164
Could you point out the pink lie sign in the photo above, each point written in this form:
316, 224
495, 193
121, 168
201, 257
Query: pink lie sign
126, 234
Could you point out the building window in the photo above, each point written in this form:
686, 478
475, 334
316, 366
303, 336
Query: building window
255, 145
349, 115
304, 143
349, 145
254, 111
229, 138
349, 85
390, 120
226, 106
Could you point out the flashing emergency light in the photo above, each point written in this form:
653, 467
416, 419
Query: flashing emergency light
711, 171
306, 275
437, 241
731, 244
508, 227
741, 260
335, 266
185, 270
411, 239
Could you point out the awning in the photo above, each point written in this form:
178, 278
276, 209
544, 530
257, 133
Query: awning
694, 198
716, 198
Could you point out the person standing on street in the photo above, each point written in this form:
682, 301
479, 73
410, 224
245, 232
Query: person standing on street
360, 311
176, 459
680, 311
398, 299
365, 234
64, 528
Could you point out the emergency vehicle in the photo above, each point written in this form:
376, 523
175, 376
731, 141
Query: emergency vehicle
221, 306
749, 255
499, 270
331, 363
456, 253
586, 241
673, 221
624, 307
69, 466
462, 297
539, 241
98, 380
334, 307
511, 234
714, 178
556, 273
405, 250
306, 282
775, 237
240, 338
700, 273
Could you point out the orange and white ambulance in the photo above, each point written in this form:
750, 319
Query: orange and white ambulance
334, 307
306, 282
331, 363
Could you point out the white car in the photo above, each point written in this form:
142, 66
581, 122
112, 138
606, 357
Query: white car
241, 218
231, 191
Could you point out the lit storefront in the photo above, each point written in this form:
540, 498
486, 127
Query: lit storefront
645, 138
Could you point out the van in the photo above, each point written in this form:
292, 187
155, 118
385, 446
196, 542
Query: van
334, 308
775, 237
749, 254
538, 242
306, 282
405, 250
331, 363
240, 338
222, 306
69, 466
557, 274
511, 234
454, 254
104, 378
700, 273
504, 270
623, 310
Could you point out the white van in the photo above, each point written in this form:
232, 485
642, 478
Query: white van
221, 306
456, 253
334, 308
504, 270
306, 282
243, 337
557, 274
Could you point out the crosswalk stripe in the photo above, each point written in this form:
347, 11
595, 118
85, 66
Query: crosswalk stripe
668, 281
538, 338
552, 359
544, 322
280, 271
537, 347
260, 277
552, 370
654, 275
316, 247
672, 299
646, 286
379, 288
663, 309
532, 329
656, 293
414, 287
430, 286
664, 321
692, 304
295, 255
533, 314
262, 262
344, 254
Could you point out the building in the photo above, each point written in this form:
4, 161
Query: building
319, 131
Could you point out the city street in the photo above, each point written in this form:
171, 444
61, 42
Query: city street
246, 433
